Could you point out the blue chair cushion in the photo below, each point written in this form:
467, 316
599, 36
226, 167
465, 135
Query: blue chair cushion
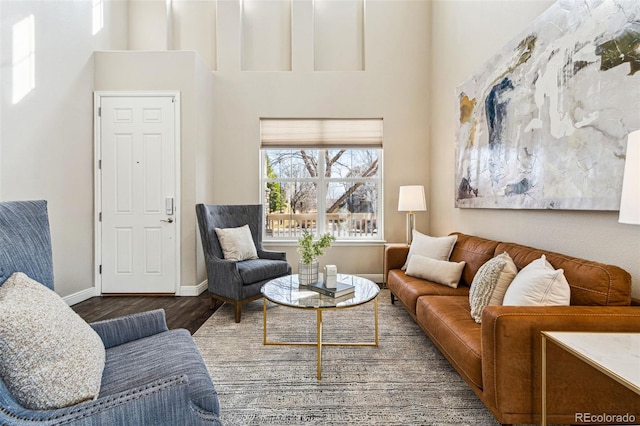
162, 355
255, 270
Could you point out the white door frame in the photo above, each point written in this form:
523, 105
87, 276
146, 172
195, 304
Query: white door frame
97, 179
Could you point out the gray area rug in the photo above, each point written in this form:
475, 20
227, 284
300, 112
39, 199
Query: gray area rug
404, 381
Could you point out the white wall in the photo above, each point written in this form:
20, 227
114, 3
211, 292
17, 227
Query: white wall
465, 35
393, 85
193, 27
150, 24
46, 143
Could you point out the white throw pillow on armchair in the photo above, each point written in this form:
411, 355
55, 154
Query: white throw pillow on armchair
237, 243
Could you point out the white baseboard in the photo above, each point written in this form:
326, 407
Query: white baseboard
193, 290
80, 296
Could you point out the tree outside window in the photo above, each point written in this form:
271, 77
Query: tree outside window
322, 190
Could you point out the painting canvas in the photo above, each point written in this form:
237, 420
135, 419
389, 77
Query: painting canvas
543, 125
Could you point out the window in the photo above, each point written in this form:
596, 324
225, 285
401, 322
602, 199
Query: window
24, 58
97, 15
322, 176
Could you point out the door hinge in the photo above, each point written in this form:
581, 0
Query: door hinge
100, 217
99, 164
100, 269
173, 100
99, 111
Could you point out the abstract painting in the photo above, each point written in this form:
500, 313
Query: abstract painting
543, 125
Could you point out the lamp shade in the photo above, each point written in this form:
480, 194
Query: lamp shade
412, 199
630, 199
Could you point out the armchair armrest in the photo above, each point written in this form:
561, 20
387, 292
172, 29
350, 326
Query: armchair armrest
272, 254
224, 278
394, 257
511, 350
163, 401
125, 329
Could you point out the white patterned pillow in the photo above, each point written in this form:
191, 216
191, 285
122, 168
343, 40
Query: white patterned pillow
490, 283
51, 358
237, 243
538, 284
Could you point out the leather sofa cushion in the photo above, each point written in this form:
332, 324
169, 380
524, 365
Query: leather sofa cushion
448, 322
408, 289
592, 283
475, 251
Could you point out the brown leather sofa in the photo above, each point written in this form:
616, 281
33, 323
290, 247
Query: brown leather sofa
500, 359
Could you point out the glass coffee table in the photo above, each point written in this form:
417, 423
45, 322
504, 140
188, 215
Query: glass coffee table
286, 291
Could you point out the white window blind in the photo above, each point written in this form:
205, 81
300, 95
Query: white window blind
321, 133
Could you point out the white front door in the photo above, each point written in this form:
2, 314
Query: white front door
138, 194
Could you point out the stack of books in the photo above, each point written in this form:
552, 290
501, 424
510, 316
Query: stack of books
341, 289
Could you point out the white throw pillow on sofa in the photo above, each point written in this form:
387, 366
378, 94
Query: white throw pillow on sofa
490, 284
438, 271
51, 358
438, 248
538, 284
237, 243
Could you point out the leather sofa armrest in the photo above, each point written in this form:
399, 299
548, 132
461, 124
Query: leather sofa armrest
511, 348
394, 257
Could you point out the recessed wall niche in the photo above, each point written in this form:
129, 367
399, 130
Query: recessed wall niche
266, 35
338, 35
194, 28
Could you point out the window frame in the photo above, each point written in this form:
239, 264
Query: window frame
321, 194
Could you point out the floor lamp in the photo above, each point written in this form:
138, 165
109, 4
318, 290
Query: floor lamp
630, 198
411, 199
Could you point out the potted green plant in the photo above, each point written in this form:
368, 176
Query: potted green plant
309, 252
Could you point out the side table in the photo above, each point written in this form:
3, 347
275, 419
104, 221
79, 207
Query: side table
617, 355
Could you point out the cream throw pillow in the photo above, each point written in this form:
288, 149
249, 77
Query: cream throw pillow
51, 358
538, 284
438, 271
236, 243
490, 283
438, 248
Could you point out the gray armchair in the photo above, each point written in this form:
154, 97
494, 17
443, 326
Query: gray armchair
231, 281
152, 375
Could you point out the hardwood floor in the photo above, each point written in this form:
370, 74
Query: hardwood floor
182, 312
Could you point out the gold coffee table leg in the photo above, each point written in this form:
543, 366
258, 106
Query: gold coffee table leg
319, 332
264, 321
375, 314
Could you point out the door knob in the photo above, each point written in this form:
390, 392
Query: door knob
169, 220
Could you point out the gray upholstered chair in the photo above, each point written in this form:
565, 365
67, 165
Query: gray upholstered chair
152, 375
231, 281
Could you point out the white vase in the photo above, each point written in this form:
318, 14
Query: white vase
308, 273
